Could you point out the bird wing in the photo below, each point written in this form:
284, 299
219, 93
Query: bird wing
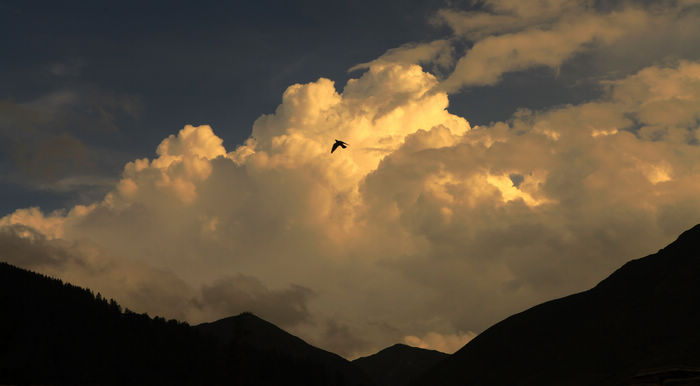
335, 146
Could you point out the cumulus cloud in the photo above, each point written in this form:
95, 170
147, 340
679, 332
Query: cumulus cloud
280, 207
662, 101
603, 196
420, 207
49, 226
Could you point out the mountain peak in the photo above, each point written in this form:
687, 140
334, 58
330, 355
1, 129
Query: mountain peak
255, 334
248, 315
399, 365
248, 328
399, 346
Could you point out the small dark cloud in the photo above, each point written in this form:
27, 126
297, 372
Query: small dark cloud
87, 112
338, 338
241, 293
51, 158
83, 109
517, 179
70, 67
64, 141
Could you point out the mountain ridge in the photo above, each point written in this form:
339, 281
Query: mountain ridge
644, 315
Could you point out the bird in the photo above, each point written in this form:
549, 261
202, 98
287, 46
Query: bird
338, 143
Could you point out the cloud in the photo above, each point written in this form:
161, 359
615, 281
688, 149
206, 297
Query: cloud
439, 52
663, 101
200, 212
67, 68
598, 195
447, 343
498, 17
338, 338
144, 288
138, 286
504, 36
241, 293
51, 157
24, 245
421, 206
49, 226
493, 56
54, 141
183, 160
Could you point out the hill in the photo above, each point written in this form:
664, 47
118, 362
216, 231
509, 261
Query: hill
399, 364
640, 320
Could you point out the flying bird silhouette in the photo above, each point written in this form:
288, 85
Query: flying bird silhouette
338, 143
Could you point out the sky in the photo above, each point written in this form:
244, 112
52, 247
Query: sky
501, 153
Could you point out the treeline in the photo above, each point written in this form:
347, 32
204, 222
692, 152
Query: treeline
56, 333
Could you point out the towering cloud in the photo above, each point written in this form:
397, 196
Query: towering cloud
424, 227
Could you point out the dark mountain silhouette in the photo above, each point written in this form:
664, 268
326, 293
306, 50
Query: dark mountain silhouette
58, 334
399, 364
252, 334
639, 326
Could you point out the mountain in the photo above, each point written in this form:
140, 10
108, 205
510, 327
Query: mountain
641, 324
256, 335
399, 364
55, 333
